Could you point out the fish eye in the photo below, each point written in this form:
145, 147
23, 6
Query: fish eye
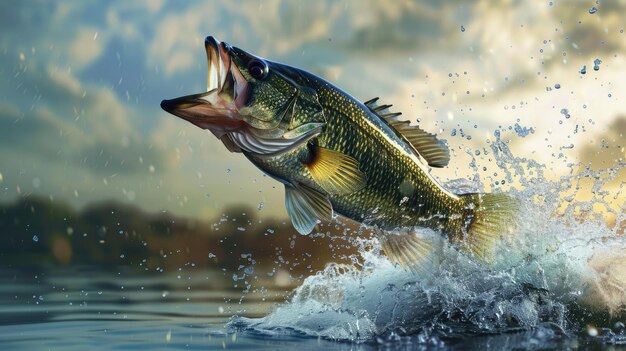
258, 69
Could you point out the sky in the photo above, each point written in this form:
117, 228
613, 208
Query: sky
81, 84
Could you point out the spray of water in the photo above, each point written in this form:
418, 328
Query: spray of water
563, 269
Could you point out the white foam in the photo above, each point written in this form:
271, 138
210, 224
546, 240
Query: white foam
550, 270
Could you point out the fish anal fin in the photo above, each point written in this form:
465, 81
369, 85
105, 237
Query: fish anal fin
335, 172
410, 249
434, 151
306, 207
492, 219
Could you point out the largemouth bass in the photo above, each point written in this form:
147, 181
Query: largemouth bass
335, 154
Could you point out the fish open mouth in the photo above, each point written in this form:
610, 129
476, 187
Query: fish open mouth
216, 109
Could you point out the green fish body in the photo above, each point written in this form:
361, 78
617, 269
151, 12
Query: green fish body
335, 154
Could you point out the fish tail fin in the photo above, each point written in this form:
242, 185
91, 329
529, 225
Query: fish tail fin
490, 218
412, 250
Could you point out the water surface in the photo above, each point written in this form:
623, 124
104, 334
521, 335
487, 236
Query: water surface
83, 308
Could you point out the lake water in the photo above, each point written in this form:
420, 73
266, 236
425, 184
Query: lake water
83, 308
557, 282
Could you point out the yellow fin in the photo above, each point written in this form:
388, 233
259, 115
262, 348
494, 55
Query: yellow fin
411, 250
306, 207
492, 219
434, 151
336, 173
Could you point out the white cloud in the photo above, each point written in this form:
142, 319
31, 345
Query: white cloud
176, 43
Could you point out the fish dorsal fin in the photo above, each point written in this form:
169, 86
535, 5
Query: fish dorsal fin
306, 207
433, 150
335, 172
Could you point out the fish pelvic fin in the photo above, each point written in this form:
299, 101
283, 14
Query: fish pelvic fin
412, 250
489, 219
306, 207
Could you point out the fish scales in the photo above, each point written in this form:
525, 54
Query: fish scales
338, 156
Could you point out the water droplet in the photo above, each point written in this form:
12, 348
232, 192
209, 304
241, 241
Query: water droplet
462, 28
565, 112
212, 255
557, 86
596, 64
522, 131
583, 70
593, 10
453, 133
35, 238
261, 205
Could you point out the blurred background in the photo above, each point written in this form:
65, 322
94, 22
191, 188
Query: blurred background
92, 171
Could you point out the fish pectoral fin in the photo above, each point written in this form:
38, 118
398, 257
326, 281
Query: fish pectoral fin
411, 249
306, 207
492, 219
434, 151
335, 172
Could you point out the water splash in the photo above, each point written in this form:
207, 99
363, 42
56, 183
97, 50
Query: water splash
564, 268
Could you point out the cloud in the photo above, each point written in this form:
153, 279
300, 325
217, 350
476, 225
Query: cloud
177, 42
86, 47
71, 137
607, 148
82, 115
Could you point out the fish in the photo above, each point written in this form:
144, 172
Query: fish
336, 155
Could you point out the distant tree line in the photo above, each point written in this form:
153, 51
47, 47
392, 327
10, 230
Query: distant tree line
38, 231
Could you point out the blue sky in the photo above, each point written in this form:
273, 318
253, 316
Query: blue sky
81, 84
